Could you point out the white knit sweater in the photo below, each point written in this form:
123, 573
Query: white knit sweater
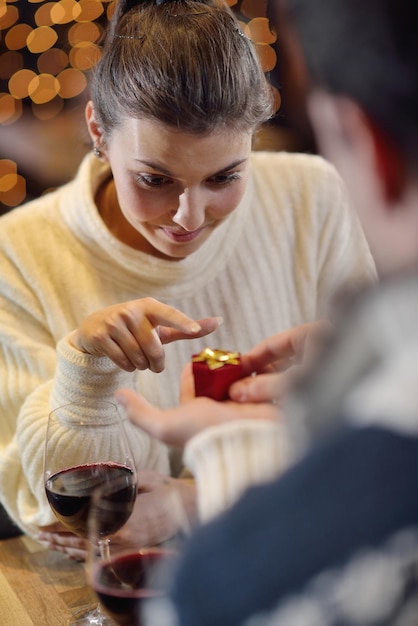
275, 262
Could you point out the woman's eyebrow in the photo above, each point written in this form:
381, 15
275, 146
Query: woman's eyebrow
155, 166
166, 172
231, 166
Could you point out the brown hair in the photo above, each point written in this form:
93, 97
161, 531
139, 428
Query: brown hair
368, 52
185, 63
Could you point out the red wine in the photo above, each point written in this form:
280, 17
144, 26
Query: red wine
69, 495
124, 583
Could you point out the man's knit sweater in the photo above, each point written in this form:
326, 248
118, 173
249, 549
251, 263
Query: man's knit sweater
334, 540
274, 263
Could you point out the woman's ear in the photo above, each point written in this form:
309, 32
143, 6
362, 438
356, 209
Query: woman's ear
95, 130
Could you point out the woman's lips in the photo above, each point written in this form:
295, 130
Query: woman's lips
181, 236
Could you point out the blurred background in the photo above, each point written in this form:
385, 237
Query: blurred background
46, 52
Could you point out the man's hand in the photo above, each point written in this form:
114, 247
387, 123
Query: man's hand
257, 396
263, 366
176, 426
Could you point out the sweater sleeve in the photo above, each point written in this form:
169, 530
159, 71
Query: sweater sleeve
78, 376
227, 458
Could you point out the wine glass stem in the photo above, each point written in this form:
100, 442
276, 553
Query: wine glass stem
104, 549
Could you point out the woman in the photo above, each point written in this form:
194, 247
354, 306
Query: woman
172, 212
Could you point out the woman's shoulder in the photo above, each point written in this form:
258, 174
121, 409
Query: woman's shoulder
297, 178
29, 213
47, 210
297, 162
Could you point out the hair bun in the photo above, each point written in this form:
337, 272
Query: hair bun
160, 2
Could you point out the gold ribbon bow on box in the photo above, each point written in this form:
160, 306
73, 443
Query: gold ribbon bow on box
215, 359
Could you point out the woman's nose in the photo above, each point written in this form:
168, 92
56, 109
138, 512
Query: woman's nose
190, 214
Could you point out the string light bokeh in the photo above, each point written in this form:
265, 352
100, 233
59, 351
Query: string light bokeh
46, 51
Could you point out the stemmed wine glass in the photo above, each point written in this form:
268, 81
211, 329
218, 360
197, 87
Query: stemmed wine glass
132, 575
86, 446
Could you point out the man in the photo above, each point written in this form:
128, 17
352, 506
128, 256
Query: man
334, 540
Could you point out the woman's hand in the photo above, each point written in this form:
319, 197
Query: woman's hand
150, 486
132, 334
57, 537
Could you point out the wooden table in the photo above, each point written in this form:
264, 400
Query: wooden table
39, 587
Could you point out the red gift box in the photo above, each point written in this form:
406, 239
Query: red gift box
214, 372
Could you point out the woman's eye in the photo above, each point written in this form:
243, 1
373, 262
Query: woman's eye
150, 180
225, 179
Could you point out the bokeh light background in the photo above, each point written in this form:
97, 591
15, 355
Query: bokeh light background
46, 51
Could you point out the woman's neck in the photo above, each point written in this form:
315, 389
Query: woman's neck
110, 212
108, 206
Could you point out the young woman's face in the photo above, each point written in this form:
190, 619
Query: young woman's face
175, 188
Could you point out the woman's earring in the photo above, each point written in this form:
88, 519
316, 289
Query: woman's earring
97, 153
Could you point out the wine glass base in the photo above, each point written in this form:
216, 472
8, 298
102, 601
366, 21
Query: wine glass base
90, 617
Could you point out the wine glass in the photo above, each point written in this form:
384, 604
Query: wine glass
86, 445
132, 575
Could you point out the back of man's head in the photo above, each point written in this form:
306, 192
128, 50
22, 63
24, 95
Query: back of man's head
366, 50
